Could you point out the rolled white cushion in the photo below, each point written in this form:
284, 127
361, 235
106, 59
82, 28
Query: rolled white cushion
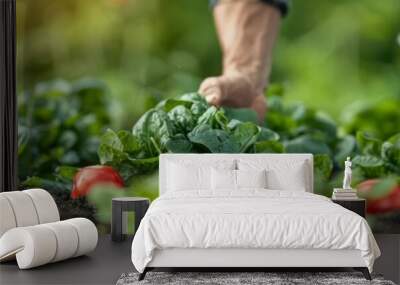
45, 205
45, 243
87, 235
7, 218
67, 240
23, 208
33, 246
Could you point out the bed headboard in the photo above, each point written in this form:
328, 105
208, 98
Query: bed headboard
210, 157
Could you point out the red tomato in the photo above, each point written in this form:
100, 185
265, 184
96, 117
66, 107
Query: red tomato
391, 202
90, 176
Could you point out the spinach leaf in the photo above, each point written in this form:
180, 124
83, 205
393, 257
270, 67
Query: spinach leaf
65, 173
169, 104
371, 166
199, 104
345, 147
394, 139
52, 186
130, 144
111, 149
213, 140
381, 119
198, 109
311, 122
267, 135
268, 147
208, 116
280, 123
391, 151
245, 135
144, 165
307, 144
194, 98
241, 114
182, 119
179, 144
368, 144
121, 150
232, 124
215, 118
153, 130
323, 166
70, 116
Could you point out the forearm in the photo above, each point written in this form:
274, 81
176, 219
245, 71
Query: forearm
249, 29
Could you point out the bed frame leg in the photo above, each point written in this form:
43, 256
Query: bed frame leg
143, 274
364, 271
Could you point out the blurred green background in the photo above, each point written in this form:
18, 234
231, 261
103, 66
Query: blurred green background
339, 57
331, 55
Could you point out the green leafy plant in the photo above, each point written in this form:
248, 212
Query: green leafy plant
187, 124
380, 119
184, 124
377, 158
60, 124
181, 125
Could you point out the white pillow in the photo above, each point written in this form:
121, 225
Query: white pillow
279, 180
192, 176
251, 178
181, 178
226, 179
223, 179
282, 174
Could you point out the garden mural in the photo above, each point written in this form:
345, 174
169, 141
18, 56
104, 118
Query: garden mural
106, 86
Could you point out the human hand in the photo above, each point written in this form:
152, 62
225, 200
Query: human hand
247, 31
234, 90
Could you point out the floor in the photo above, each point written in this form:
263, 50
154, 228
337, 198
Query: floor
110, 260
388, 264
103, 266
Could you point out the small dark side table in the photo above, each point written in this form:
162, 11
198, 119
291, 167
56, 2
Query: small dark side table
356, 205
120, 206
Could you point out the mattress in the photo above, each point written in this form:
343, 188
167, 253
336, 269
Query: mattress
250, 219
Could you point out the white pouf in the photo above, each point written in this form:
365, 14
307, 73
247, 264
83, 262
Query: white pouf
87, 234
45, 205
23, 209
31, 232
7, 220
67, 237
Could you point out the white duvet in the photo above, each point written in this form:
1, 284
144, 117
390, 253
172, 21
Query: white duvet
250, 219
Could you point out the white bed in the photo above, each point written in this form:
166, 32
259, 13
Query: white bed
248, 227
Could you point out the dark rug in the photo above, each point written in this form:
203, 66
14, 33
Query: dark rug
273, 278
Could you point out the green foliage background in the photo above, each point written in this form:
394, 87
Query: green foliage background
335, 56
340, 58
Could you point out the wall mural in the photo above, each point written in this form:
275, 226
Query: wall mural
104, 89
